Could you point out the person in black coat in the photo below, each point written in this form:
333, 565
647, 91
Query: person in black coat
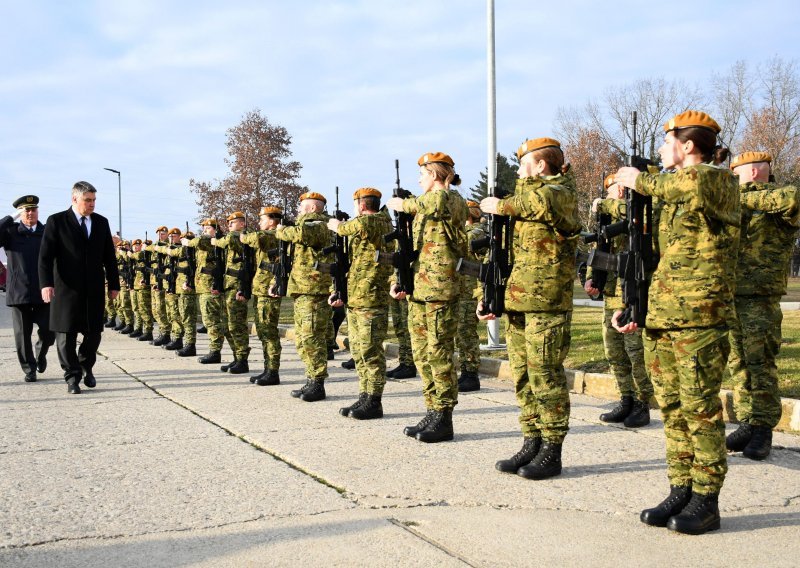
76, 259
22, 241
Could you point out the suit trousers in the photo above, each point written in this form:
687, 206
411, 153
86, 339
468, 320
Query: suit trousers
76, 361
23, 317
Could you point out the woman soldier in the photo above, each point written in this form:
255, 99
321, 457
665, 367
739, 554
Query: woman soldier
691, 300
439, 241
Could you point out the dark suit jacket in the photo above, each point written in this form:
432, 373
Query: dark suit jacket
22, 247
77, 268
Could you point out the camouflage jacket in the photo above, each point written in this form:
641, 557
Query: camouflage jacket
140, 268
154, 281
439, 242
206, 264
470, 287
698, 234
234, 258
770, 219
123, 262
612, 293
182, 283
310, 235
262, 242
545, 237
367, 281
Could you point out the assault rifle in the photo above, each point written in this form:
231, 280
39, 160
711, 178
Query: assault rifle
493, 273
282, 267
218, 274
403, 234
603, 242
341, 265
128, 270
147, 258
190, 254
247, 271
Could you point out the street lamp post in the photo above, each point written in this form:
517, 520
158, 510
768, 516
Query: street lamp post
119, 198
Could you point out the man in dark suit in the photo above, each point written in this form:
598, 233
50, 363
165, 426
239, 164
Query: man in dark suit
22, 241
76, 259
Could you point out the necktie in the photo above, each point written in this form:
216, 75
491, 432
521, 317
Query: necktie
84, 227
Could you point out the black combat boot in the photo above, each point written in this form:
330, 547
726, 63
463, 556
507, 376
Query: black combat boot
547, 463
202, 329
700, 516
269, 378
412, 431
679, 496
345, 411
639, 416
405, 372
371, 409
224, 368
211, 357
239, 366
350, 364
188, 350
331, 355
440, 428
254, 378
174, 345
468, 382
120, 326
146, 336
390, 373
620, 412
126, 330
298, 392
314, 392
530, 447
162, 339
739, 438
111, 323
136, 333
760, 444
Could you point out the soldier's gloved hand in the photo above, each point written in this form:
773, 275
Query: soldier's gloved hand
214, 292
16, 215
626, 177
590, 289
271, 292
489, 205
627, 328
213, 241
596, 204
185, 242
334, 301
395, 204
395, 292
333, 224
483, 317
240, 297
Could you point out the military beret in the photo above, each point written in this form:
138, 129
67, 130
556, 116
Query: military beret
209, 222
537, 144
123, 243
366, 192
136, 241
609, 181
691, 118
162, 228
26, 202
235, 215
435, 157
174, 231
313, 195
271, 210
187, 235
471, 204
750, 158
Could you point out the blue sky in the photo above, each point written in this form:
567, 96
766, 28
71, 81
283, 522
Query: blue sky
149, 88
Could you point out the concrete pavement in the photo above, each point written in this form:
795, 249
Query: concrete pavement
171, 463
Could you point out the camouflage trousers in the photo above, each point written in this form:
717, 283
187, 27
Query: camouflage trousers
755, 342
187, 306
143, 309
625, 354
312, 315
237, 325
268, 313
686, 366
432, 326
399, 312
367, 329
538, 343
111, 307
215, 318
467, 340
174, 315
159, 305
125, 306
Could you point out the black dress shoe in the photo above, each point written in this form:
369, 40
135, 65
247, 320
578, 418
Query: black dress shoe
41, 364
147, 336
30, 377
73, 388
89, 380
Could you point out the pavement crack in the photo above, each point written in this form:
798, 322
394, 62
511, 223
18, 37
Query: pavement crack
409, 527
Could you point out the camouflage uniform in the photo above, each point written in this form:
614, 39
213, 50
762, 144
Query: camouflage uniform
124, 304
368, 298
172, 300
310, 289
624, 351
236, 310
539, 300
212, 312
770, 219
141, 294
439, 239
691, 303
111, 308
158, 296
467, 340
267, 308
399, 312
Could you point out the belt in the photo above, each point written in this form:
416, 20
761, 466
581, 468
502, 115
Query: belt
233, 272
208, 270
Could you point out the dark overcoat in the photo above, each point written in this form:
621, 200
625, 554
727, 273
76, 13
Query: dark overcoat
77, 268
22, 248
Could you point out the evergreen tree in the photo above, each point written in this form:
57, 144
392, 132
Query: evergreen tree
506, 177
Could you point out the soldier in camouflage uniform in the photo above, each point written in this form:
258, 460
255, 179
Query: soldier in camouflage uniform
770, 219
141, 290
235, 302
111, 305
159, 288
171, 297
124, 305
439, 240
185, 268
267, 307
208, 277
538, 302
310, 290
398, 309
368, 299
467, 340
624, 351
691, 305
